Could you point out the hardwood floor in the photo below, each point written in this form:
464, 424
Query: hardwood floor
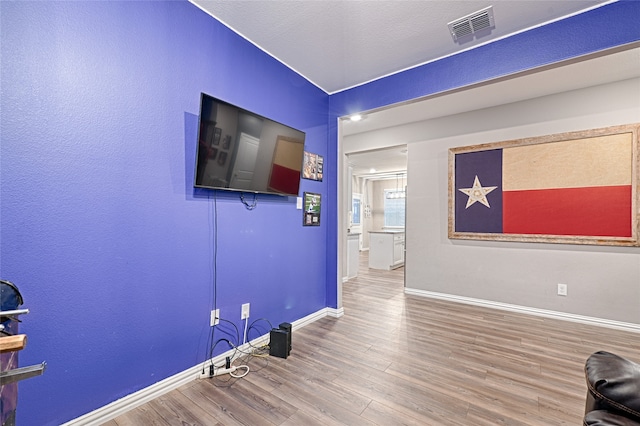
394, 359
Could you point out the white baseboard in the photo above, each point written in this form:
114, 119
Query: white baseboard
324, 312
122, 405
131, 401
335, 313
626, 326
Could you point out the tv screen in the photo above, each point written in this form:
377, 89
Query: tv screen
242, 151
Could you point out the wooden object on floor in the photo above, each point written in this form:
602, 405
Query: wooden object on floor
394, 359
13, 343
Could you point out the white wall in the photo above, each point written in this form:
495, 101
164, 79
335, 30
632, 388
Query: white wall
603, 282
377, 204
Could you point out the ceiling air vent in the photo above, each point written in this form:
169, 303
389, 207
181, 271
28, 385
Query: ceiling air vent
466, 27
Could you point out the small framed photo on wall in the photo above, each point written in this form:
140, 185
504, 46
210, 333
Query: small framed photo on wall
312, 167
311, 209
227, 142
222, 158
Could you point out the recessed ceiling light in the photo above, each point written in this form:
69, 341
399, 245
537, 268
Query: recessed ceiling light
356, 117
372, 170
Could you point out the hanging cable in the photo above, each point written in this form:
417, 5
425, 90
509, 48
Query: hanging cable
215, 250
246, 324
213, 235
247, 205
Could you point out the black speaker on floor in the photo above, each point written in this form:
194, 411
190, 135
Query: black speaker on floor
279, 343
287, 327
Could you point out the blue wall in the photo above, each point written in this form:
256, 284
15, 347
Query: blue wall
101, 228
597, 30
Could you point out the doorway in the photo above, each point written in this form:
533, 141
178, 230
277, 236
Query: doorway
376, 182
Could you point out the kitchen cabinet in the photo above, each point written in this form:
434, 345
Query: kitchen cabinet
386, 249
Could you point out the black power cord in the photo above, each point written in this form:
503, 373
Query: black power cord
247, 205
213, 232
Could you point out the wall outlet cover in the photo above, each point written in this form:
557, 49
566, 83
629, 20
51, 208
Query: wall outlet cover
215, 317
562, 289
245, 311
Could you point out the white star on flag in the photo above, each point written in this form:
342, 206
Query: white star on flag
477, 193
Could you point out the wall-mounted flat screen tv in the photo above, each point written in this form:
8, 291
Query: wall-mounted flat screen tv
242, 151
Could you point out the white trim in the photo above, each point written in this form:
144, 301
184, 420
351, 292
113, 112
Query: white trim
310, 318
258, 46
122, 405
457, 52
475, 46
335, 313
131, 401
602, 322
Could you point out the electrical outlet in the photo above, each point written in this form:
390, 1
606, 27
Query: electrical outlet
562, 289
245, 311
215, 317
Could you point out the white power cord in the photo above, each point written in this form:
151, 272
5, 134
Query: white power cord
231, 370
238, 376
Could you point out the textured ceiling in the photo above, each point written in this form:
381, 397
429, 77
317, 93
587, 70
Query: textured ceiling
341, 44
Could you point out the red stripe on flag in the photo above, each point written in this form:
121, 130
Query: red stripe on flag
592, 211
284, 179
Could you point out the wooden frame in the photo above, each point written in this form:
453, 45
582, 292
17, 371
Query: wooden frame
569, 188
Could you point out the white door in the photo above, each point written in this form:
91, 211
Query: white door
245, 161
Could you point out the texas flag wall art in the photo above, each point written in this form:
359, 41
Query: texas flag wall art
578, 188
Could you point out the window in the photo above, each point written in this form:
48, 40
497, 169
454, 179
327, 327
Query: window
394, 203
355, 209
